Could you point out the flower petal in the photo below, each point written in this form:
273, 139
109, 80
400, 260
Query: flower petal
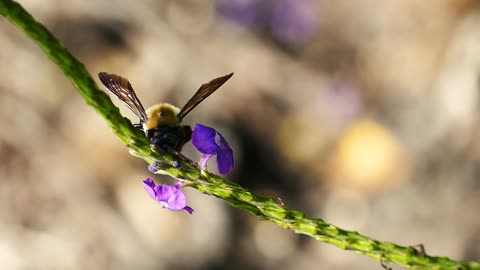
203, 138
220, 141
176, 164
188, 209
178, 201
202, 164
153, 167
149, 186
171, 197
164, 192
225, 161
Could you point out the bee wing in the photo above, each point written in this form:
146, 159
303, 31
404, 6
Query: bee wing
202, 93
123, 90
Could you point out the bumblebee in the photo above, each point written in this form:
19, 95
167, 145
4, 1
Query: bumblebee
162, 123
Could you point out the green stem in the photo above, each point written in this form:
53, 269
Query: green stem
205, 182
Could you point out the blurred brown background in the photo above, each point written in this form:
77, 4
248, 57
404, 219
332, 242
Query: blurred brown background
363, 113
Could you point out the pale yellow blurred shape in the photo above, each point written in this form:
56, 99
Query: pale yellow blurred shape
10, 255
272, 241
368, 157
299, 140
456, 87
43, 245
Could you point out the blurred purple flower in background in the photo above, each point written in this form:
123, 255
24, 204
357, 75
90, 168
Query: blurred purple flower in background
293, 21
210, 142
242, 12
170, 197
339, 104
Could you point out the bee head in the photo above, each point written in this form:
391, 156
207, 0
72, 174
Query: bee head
162, 114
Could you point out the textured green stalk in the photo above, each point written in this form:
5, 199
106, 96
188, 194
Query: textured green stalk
205, 182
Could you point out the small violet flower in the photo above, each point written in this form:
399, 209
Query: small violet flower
154, 167
170, 197
176, 164
210, 142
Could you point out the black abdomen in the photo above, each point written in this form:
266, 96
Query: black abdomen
170, 137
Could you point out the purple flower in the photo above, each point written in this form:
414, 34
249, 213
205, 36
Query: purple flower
242, 12
210, 142
170, 197
154, 167
176, 164
293, 21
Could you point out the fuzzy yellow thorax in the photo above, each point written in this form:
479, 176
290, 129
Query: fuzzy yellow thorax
162, 114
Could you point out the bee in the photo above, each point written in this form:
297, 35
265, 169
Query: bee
162, 123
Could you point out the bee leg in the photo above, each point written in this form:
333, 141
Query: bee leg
138, 126
169, 149
162, 147
185, 158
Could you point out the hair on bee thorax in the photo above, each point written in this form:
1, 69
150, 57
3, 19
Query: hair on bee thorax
162, 114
